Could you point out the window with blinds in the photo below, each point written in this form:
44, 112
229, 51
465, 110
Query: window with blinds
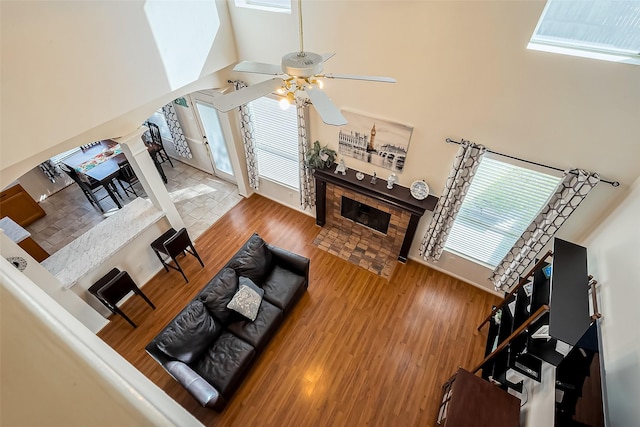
275, 132
503, 199
59, 157
603, 29
160, 120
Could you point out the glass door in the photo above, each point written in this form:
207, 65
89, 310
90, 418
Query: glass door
213, 137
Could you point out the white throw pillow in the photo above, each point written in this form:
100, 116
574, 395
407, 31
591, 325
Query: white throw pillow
246, 301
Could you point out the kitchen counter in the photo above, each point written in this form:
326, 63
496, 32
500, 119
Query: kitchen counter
106, 239
13, 230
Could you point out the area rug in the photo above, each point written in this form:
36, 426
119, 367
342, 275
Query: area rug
372, 256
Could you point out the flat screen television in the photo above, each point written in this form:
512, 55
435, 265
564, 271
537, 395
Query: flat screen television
580, 390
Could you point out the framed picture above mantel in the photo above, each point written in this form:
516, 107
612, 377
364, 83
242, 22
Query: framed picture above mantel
377, 141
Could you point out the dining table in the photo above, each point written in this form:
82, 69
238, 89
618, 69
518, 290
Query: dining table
101, 162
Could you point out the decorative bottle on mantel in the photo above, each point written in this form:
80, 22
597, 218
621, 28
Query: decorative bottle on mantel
374, 178
393, 179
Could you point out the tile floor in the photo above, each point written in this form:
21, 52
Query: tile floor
201, 199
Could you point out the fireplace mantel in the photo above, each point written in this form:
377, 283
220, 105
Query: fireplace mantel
399, 197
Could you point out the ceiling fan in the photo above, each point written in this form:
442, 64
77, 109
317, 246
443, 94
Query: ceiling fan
299, 72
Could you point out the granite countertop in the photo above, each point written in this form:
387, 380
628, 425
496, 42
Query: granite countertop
13, 230
91, 249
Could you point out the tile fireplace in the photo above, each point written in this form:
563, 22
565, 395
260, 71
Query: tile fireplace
365, 222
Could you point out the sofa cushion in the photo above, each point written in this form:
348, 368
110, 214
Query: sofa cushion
224, 363
218, 292
259, 332
189, 334
253, 260
248, 282
282, 287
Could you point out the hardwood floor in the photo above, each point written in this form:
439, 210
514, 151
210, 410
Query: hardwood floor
356, 350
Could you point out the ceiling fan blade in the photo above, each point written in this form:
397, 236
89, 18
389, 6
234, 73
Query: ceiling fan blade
240, 97
258, 68
325, 107
382, 79
327, 56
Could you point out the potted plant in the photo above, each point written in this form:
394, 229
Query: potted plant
320, 157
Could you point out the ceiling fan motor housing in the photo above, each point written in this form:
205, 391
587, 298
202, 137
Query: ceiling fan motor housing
302, 64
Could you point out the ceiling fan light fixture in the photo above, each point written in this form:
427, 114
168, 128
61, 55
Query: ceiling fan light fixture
287, 100
284, 104
316, 81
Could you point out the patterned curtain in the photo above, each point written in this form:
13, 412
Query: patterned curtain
307, 183
246, 126
50, 170
571, 191
179, 141
464, 167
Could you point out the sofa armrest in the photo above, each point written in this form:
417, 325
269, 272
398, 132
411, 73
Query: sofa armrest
201, 390
291, 261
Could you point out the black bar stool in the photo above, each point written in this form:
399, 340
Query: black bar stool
114, 286
172, 243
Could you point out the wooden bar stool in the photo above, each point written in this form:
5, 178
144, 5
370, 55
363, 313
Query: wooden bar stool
113, 287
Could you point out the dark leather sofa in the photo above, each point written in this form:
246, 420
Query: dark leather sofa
209, 348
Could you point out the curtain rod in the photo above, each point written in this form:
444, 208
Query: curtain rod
451, 141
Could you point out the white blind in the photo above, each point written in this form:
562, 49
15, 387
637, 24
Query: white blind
602, 25
58, 158
282, 4
276, 136
501, 202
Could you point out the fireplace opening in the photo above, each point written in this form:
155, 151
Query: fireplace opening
365, 215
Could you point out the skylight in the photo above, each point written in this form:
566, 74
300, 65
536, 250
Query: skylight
602, 29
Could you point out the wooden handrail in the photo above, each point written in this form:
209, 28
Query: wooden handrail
535, 316
521, 283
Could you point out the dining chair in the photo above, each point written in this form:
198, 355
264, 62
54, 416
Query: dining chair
88, 188
173, 243
87, 146
156, 138
127, 178
113, 287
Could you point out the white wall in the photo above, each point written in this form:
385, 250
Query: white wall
56, 372
135, 257
75, 72
463, 71
71, 302
38, 185
614, 257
